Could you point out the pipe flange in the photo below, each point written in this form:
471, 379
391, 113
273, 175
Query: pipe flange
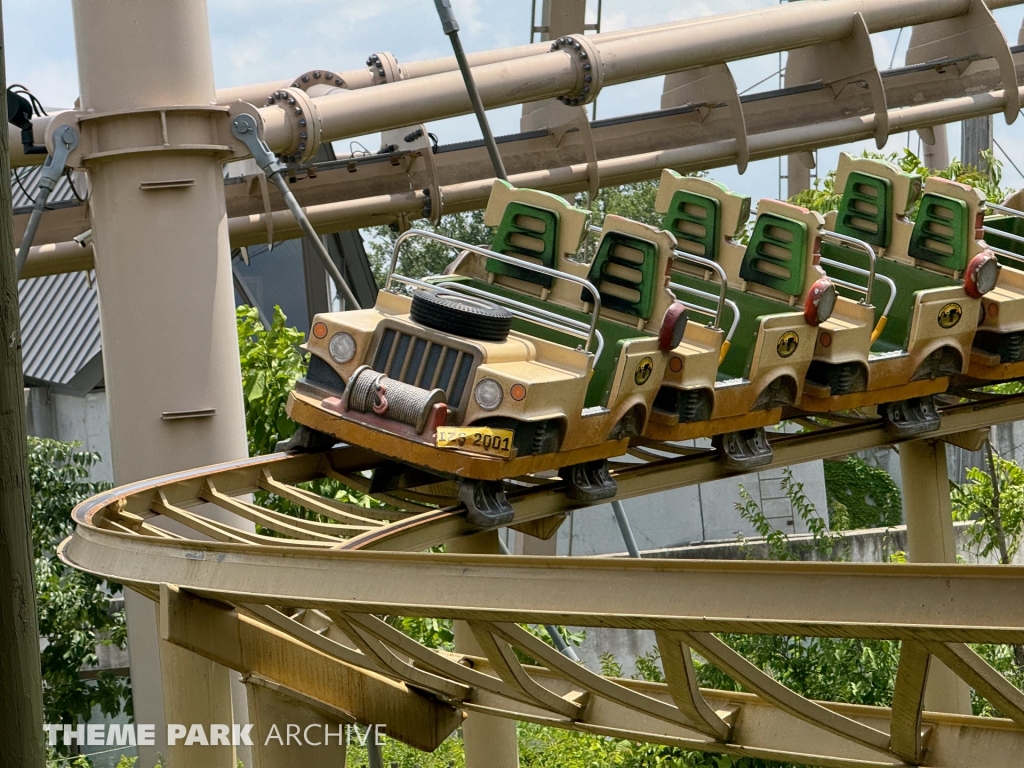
384, 68
589, 71
305, 122
307, 80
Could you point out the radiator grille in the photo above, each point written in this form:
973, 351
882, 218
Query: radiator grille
425, 364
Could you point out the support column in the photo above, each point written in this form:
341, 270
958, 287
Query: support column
490, 742
930, 539
170, 351
561, 17
975, 138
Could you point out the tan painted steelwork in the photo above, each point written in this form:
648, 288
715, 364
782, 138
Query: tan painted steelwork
216, 585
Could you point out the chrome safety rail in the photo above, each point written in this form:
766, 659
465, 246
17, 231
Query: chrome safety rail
827, 234
541, 317
723, 284
1008, 235
860, 289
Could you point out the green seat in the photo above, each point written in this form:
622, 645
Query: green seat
942, 232
695, 219
777, 254
530, 232
909, 281
753, 309
865, 210
623, 271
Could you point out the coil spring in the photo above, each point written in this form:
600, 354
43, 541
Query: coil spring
373, 392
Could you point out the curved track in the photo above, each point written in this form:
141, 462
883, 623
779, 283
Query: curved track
313, 588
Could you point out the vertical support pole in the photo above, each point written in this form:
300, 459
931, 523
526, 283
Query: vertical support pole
930, 539
490, 742
625, 529
164, 275
936, 155
561, 17
975, 138
21, 704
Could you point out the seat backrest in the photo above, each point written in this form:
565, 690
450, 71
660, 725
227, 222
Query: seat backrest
865, 211
625, 273
945, 230
782, 252
904, 188
533, 226
700, 212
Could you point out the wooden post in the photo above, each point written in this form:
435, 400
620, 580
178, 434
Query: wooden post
21, 702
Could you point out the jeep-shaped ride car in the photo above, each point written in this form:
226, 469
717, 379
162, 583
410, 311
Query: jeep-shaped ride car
505, 366
931, 271
779, 298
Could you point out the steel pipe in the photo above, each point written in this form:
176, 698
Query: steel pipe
622, 59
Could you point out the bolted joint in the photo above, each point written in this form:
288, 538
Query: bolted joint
303, 118
318, 77
589, 72
384, 68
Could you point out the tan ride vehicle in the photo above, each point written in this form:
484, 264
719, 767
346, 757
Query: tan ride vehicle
929, 276
778, 300
506, 366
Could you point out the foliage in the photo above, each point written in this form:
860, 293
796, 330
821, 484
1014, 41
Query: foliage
271, 364
862, 495
824, 197
634, 201
825, 542
974, 502
421, 257
74, 607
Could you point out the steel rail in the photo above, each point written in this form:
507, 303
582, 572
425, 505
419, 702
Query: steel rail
326, 600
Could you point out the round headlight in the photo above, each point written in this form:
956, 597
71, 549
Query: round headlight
820, 302
343, 347
981, 275
488, 394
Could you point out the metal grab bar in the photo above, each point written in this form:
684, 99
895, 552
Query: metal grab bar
524, 310
713, 266
1000, 233
827, 234
1004, 252
860, 289
1004, 209
710, 312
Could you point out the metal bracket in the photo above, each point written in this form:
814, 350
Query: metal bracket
706, 88
581, 123
65, 139
975, 34
846, 62
245, 128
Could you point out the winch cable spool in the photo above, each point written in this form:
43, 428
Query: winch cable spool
370, 391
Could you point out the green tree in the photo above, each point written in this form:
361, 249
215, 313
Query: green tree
861, 496
824, 197
74, 608
271, 364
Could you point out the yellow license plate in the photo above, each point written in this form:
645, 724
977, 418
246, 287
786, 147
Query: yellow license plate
484, 440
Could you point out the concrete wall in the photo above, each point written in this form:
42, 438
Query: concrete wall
682, 516
72, 418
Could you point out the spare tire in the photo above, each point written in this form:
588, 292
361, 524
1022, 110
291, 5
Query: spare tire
461, 315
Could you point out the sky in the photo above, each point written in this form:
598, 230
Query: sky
259, 40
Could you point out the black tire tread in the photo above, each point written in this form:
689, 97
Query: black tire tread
439, 310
